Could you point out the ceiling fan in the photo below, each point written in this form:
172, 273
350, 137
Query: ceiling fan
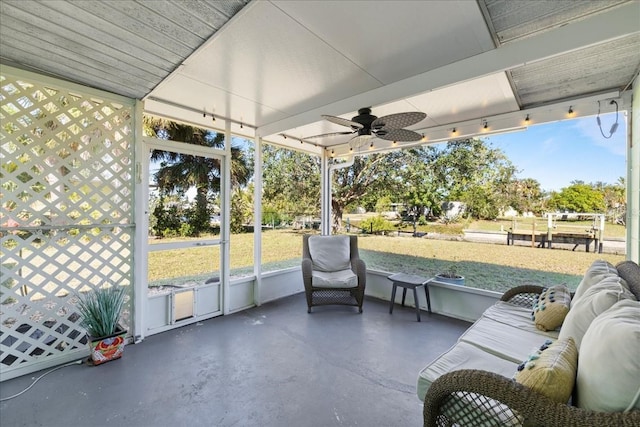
366, 126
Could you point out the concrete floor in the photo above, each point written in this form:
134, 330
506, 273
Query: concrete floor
273, 365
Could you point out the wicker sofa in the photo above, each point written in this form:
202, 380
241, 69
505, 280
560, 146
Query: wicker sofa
473, 382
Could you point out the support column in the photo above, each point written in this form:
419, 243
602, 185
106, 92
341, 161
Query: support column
633, 176
325, 195
257, 219
225, 223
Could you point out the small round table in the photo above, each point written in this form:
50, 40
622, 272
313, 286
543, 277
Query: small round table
409, 281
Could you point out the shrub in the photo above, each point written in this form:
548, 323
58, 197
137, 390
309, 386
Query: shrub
375, 225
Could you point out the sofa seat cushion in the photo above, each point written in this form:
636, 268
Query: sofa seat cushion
462, 356
551, 370
609, 361
330, 253
505, 341
597, 299
513, 315
334, 279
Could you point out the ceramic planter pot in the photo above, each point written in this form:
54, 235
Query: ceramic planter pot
453, 280
104, 349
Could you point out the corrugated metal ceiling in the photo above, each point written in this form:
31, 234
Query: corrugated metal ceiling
512, 20
124, 47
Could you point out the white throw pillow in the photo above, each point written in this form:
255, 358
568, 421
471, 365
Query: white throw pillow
608, 377
330, 253
599, 269
597, 299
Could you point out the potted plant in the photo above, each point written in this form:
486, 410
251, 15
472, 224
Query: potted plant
100, 311
450, 275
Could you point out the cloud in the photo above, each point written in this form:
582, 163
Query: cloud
549, 145
588, 128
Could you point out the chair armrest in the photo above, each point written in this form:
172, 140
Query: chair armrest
360, 271
487, 389
524, 295
307, 270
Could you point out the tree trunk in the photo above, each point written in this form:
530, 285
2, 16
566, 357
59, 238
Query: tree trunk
336, 209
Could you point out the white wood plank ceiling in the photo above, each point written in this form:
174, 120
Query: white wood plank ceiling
276, 66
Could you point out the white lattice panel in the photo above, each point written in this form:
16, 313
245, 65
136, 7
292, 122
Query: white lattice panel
67, 213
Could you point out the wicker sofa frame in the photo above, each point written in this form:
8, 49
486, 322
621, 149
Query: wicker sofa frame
329, 296
447, 402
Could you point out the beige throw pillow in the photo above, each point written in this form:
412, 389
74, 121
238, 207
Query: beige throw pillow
551, 307
551, 371
608, 378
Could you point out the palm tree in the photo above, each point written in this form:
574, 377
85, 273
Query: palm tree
179, 172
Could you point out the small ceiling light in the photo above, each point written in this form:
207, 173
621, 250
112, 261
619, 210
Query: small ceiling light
333, 153
527, 120
351, 149
204, 115
454, 131
486, 126
371, 146
213, 118
301, 142
570, 112
395, 143
424, 138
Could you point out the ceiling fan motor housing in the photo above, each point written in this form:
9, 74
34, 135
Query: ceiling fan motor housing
365, 118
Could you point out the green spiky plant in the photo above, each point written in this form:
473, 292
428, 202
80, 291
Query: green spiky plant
100, 310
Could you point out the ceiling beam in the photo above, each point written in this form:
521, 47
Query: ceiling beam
616, 23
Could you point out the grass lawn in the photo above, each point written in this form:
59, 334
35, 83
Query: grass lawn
488, 266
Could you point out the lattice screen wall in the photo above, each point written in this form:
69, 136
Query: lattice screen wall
67, 213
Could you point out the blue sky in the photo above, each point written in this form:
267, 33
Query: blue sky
557, 153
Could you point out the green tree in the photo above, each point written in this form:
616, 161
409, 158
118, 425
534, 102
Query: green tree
179, 172
291, 183
526, 195
476, 174
578, 197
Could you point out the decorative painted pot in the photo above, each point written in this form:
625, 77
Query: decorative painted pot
107, 348
453, 280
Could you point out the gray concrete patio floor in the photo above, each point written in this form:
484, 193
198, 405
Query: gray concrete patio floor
273, 365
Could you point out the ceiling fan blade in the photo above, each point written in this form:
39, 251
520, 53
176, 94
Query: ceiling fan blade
343, 122
398, 120
325, 135
360, 140
403, 135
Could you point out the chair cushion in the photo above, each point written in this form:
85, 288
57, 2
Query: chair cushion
334, 279
630, 272
551, 370
598, 270
609, 364
551, 307
597, 299
330, 253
